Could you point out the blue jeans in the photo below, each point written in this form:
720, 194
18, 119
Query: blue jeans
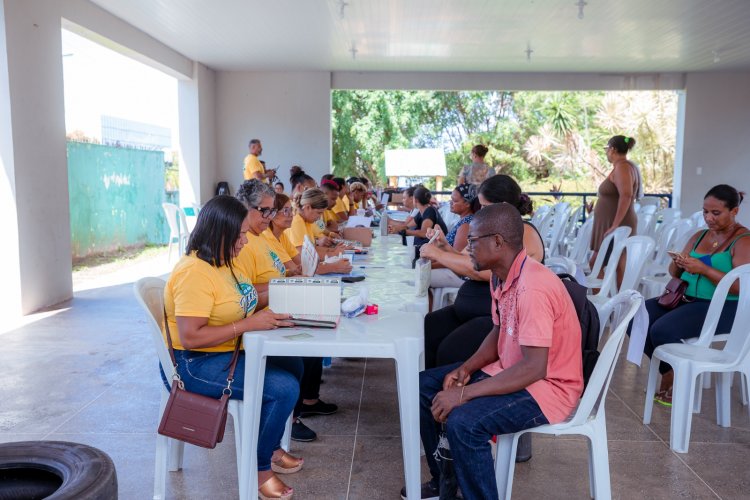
206, 373
470, 427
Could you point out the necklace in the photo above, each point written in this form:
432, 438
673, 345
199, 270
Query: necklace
716, 241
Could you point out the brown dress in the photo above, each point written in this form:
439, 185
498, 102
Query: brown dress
606, 208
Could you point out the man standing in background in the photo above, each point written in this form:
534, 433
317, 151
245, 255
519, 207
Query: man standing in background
254, 169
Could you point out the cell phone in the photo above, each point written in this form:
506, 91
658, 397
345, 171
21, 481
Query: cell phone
312, 323
352, 279
672, 253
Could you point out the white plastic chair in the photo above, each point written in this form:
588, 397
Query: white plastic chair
561, 265
571, 228
558, 224
539, 214
589, 418
646, 221
649, 201
689, 360
149, 293
442, 297
178, 228
618, 235
579, 251
698, 220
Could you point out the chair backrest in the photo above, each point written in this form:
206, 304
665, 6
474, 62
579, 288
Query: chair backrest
624, 306
618, 235
648, 208
539, 213
738, 341
669, 214
638, 250
648, 201
182, 217
579, 252
698, 220
149, 292
646, 222
558, 224
561, 265
171, 212
664, 241
685, 229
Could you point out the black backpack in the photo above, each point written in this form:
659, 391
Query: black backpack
588, 317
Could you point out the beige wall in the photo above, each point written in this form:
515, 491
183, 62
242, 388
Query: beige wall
716, 132
289, 111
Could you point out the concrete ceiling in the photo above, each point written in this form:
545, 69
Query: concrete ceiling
614, 36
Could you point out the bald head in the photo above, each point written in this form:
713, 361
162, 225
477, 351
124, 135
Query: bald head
502, 219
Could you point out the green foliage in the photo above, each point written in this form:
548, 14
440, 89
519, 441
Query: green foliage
533, 136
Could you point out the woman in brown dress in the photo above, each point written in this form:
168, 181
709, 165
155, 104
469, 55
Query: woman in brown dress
617, 193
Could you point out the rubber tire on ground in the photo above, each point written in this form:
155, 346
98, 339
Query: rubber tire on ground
86, 472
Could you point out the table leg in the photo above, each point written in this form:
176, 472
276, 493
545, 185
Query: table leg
408, 352
255, 370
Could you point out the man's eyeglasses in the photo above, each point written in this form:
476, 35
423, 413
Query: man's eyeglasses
473, 239
265, 212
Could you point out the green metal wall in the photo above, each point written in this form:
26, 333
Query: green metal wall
115, 197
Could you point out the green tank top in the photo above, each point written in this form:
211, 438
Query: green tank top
721, 261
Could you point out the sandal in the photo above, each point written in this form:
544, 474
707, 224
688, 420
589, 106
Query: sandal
664, 398
287, 464
275, 489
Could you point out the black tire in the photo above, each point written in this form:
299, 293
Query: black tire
29, 469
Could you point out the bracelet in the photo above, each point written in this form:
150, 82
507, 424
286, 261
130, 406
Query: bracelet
461, 398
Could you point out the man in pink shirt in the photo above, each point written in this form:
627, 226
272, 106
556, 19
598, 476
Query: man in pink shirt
526, 373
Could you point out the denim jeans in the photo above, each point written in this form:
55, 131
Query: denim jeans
206, 373
470, 427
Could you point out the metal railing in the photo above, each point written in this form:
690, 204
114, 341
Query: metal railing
584, 196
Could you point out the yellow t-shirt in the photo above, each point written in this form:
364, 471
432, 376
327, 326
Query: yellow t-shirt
341, 206
299, 229
283, 246
330, 216
198, 289
347, 203
252, 165
258, 258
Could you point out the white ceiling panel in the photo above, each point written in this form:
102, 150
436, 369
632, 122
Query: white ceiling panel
449, 35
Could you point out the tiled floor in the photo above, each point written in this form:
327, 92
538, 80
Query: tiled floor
88, 374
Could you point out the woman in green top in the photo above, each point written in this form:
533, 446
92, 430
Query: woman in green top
706, 258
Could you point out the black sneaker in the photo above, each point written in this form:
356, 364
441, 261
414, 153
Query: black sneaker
301, 432
319, 408
430, 491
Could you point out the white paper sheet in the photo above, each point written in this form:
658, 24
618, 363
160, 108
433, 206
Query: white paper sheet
358, 220
309, 257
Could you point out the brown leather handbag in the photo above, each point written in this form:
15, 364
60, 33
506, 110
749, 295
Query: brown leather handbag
194, 418
673, 293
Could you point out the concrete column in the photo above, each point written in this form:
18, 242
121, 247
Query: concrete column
10, 264
197, 132
32, 151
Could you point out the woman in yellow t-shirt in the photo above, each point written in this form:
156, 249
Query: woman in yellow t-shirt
331, 190
209, 303
277, 237
310, 206
265, 262
358, 195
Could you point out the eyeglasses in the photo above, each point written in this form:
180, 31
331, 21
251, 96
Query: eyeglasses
265, 212
473, 239
286, 211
